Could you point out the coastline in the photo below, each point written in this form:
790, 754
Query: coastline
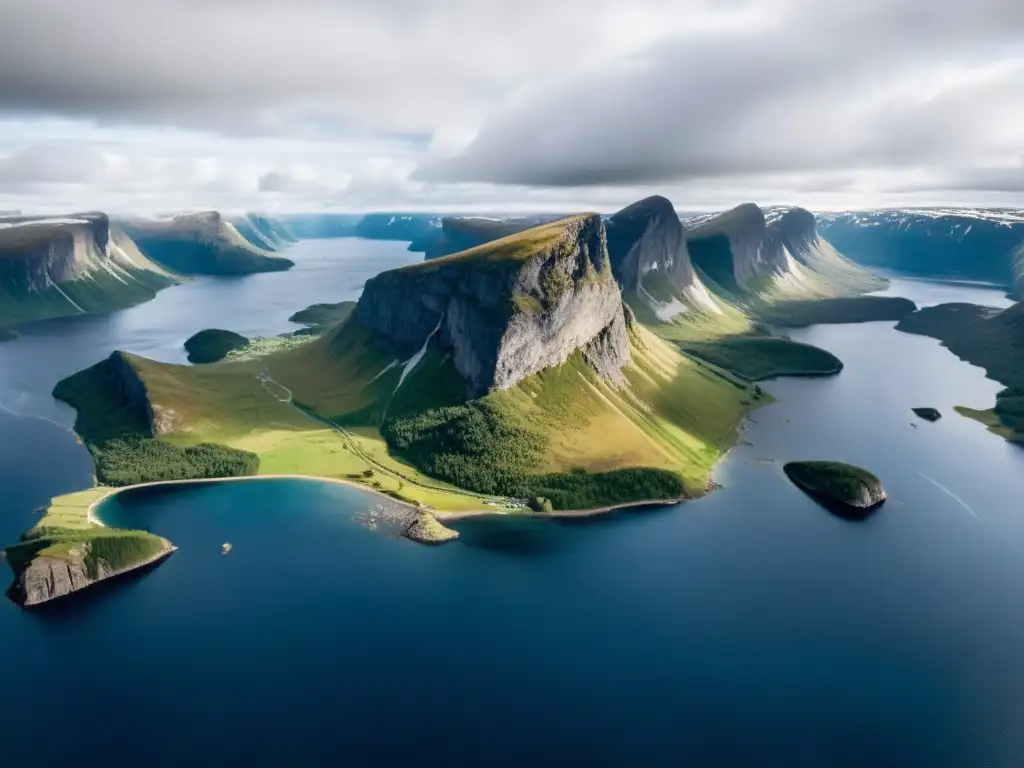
439, 515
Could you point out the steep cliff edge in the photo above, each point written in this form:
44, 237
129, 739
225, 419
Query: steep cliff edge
507, 309
53, 267
460, 233
265, 232
202, 244
748, 254
65, 566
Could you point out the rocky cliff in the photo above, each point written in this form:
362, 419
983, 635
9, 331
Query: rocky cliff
50, 267
264, 232
113, 389
48, 578
507, 309
202, 243
648, 235
778, 255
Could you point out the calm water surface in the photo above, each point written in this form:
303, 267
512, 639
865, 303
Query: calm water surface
750, 626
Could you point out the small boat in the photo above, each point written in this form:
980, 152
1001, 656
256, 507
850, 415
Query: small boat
225, 548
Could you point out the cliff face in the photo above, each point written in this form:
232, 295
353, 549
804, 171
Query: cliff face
648, 235
202, 243
51, 267
49, 578
775, 256
508, 309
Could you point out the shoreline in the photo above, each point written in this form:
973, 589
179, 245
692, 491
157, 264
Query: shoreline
439, 515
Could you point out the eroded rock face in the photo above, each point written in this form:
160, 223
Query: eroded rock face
47, 578
40, 253
505, 318
648, 235
50, 578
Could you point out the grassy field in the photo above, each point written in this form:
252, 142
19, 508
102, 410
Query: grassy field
516, 247
677, 415
757, 359
97, 291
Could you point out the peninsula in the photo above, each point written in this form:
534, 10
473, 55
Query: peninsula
539, 373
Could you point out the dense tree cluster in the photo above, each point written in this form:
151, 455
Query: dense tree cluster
474, 447
131, 460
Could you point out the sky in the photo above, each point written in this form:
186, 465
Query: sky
153, 106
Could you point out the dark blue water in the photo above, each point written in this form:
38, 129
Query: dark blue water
750, 626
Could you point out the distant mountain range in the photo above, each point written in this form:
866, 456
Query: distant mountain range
76, 264
958, 243
85, 263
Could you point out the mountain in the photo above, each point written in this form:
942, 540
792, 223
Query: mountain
959, 243
375, 226
460, 233
751, 255
511, 371
718, 274
264, 232
507, 309
54, 267
202, 244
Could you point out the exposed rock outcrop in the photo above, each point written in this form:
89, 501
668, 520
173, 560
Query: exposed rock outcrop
508, 309
426, 529
928, 414
648, 235
775, 256
51, 267
49, 578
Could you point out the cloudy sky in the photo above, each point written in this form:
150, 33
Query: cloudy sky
288, 105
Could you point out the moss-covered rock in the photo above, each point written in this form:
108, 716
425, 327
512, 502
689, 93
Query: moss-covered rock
213, 345
844, 489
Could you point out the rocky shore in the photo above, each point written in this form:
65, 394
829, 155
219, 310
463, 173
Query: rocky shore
50, 578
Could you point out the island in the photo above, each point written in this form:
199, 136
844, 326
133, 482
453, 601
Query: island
928, 414
571, 368
213, 345
847, 491
323, 316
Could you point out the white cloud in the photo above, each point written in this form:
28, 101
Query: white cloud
525, 105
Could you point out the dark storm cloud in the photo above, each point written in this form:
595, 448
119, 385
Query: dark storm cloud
829, 87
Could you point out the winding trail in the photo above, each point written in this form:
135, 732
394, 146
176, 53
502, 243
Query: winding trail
287, 398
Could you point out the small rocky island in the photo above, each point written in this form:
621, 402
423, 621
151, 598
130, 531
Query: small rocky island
928, 414
213, 345
845, 490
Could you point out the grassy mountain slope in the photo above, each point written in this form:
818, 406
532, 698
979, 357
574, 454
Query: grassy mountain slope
202, 244
59, 270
